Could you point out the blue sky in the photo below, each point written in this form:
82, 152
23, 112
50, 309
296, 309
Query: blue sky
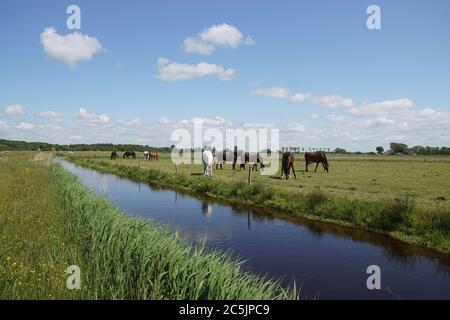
395, 81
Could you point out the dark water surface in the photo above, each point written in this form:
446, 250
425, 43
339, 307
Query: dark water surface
327, 261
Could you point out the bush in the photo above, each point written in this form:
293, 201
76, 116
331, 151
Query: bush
315, 198
435, 220
396, 213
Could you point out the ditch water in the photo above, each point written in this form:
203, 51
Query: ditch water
326, 260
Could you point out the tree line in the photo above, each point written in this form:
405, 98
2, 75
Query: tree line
13, 145
401, 148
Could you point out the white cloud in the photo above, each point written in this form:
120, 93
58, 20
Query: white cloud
132, 121
15, 109
383, 108
91, 118
174, 71
25, 126
339, 119
3, 125
205, 121
275, 92
425, 126
75, 137
218, 35
70, 48
163, 120
314, 116
300, 97
331, 101
50, 114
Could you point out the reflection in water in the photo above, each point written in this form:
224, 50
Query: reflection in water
321, 257
207, 208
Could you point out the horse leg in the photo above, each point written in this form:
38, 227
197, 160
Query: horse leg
316, 167
293, 170
307, 162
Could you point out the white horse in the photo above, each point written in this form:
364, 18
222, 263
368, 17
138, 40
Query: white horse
146, 156
207, 159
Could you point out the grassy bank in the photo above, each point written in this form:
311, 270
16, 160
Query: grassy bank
50, 221
399, 216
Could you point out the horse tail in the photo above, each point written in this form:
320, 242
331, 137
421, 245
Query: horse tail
325, 158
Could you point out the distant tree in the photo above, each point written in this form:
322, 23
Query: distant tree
380, 150
172, 146
398, 147
340, 151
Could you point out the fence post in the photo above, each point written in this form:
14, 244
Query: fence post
249, 173
176, 169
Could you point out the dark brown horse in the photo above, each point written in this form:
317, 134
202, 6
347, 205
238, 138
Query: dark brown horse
287, 162
114, 155
251, 157
318, 157
129, 153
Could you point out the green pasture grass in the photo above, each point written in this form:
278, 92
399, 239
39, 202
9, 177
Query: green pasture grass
50, 221
405, 197
427, 178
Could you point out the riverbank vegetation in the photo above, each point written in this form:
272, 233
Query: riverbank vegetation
51, 221
391, 198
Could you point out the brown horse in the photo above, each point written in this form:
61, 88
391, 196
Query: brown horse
318, 157
221, 157
287, 162
114, 155
251, 157
153, 155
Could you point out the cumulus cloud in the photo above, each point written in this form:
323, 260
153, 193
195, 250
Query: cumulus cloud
15, 109
383, 107
205, 121
25, 126
132, 121
91, 118
275, 92
53, 115
300, 97
164, 120
174, 71
70, 48
314, 116
3, 125
344, 129
217, 35
331, 101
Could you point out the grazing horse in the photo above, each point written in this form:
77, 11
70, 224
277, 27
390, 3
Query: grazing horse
287, 162
152, 155
221, 157
318, 157
129, 153
250, 157
207, 159
114, 155
146, 157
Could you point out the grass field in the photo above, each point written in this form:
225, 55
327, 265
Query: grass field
405, 196
365, 177
50, 221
